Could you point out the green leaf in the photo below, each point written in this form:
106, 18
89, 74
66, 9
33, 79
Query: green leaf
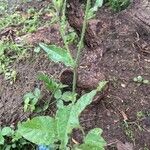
101, 85
26, 104
68, 96
67, 117
7, 131
58, 54
16, 136
1, 138
98, 3
37, 49
146, 81
94, 140
37, 93
91, 12
50, 83
58, 94
60, 104
39, 130
29, 95
58, 4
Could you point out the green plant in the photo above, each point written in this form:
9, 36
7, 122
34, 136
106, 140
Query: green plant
141, 80
3, 7
31, 99
93, 10
118, 5
56, 131
10, 139
9, 52
140, 114
128, 131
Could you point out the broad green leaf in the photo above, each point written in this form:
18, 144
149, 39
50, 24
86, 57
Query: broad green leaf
7, 131
93, 140
1, 138
67, 117
50, 83
39, 130
58, 54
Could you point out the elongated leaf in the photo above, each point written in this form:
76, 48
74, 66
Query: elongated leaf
67, 117
39, 130
58, 54
93, 140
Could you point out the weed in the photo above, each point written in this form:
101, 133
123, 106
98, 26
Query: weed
9, 52
3, 7
140, 114
146, 147
31, 99
128, 131
141, 80
118, 5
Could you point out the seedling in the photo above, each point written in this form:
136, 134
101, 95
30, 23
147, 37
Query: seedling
141, 80
128, 131
31, 99
118, 5
140, 114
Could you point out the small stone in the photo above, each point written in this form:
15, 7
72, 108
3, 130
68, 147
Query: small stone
123, 85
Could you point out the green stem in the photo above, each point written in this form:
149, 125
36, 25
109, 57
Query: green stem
62, 22
80, 46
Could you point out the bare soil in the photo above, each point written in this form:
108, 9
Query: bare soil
124, 53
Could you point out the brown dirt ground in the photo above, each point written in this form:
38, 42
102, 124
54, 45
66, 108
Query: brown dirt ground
126, 47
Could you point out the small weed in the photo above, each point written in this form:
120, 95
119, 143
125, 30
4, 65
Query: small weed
128, 131
146, 148
31, 99
140, 114
118, 5
141, 80
9, 52
3, 7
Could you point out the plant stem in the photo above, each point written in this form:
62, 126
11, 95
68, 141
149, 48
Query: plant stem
62, 22
80, 46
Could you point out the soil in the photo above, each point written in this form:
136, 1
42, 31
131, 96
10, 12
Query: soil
124, 53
